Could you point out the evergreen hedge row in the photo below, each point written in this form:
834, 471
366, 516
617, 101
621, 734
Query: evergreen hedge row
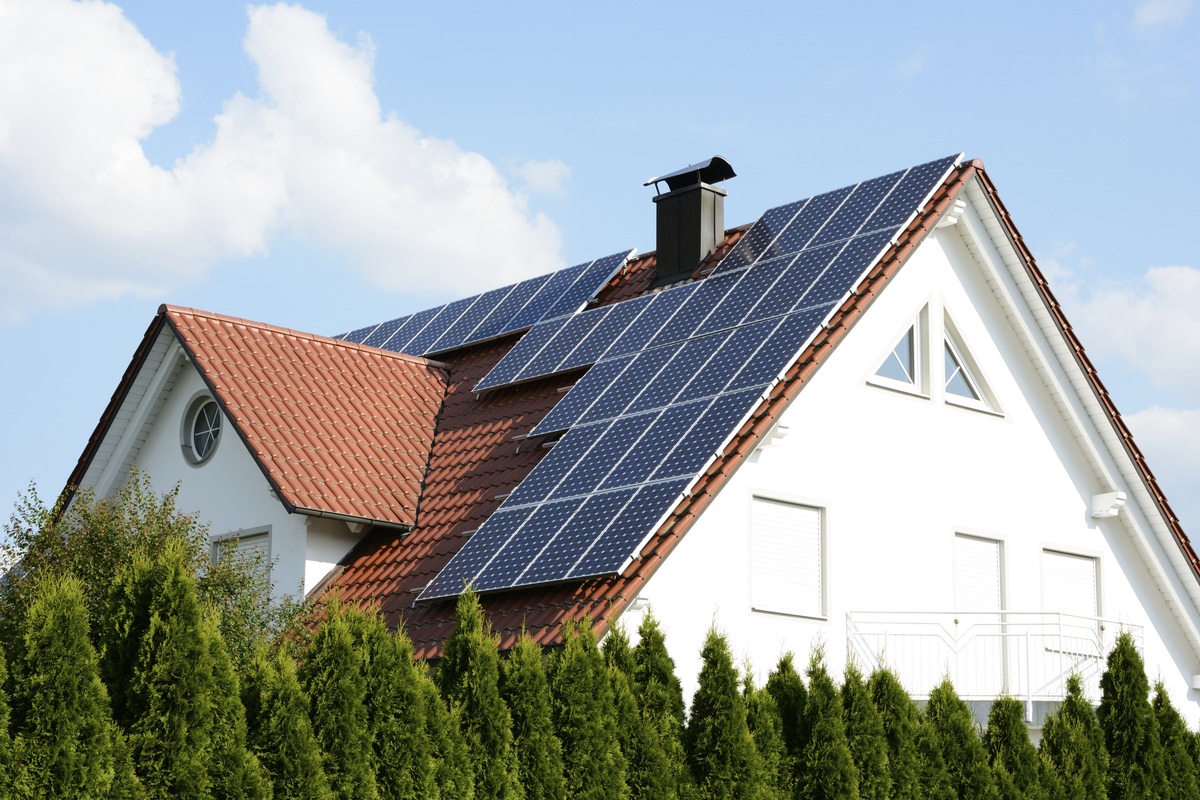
152, 691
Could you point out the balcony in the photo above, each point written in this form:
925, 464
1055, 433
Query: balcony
1026, 655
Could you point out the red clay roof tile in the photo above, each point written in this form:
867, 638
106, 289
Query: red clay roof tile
280, 389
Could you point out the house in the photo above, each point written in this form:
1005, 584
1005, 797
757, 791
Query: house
862, 420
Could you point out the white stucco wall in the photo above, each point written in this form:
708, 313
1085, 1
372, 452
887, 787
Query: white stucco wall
229, 493
898, 476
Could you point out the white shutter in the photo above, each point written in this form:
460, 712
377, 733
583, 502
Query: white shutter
976, 574
249, 547
1069, 584
786, 558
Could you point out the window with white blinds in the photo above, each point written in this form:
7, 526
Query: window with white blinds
1069, 584
249, 547
787, 549
977, 576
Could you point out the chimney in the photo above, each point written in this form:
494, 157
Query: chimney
691, 217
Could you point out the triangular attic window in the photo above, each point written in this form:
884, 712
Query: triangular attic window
901, 364
959, 380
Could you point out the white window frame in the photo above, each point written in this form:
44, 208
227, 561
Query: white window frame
760, 598
952, 339
1098, 574
920, 385
1001, 569
222, 540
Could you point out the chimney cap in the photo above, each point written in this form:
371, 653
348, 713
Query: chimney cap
711, 170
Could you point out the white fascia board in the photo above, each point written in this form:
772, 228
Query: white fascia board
1075, 395
136, 411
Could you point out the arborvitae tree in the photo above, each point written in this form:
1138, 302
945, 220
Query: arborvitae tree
527, 692
786, 687
1135, 768
96, 538
660, 696
829, 770
469, 677
935, 778
648, 773
1073, 743
235, 771
720, 750
66, 737
454, 778
332, 676
404, 765
1178, 763
865, 735
953, 730
159, 673
911, 777
279, 730
1010, 752
766, 728
585, 717
7, 763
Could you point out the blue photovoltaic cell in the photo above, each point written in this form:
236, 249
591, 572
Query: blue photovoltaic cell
383, 332
581, 396
737, 349
711, 430
621, 540
590, 282
780, 348
916, 186
358, 335
808, 223
561, 554
540, 527
524, 351
677, 372
546, 297
756, 283
693, 311
597, 343
636, 464
477, 552
422, 343
618, 437
499, 321
620, 393
460, 332
549, 359
642, 330
794, 284
539, 483
860, 205
842, 275
756, 240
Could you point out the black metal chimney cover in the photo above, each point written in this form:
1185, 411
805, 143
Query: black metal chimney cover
712, 170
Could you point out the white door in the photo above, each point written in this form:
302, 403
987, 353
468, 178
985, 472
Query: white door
978, 627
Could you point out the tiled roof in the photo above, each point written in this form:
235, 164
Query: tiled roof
337, 428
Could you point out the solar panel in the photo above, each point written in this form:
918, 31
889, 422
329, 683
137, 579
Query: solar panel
493, 313
675, 374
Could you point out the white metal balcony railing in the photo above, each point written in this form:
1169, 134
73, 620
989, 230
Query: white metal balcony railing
1025, 655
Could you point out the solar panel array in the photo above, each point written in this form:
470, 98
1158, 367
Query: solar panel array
495, 313
675, 375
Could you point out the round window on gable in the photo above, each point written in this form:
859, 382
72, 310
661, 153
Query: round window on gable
201, 430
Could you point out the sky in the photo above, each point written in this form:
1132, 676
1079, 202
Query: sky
329, 165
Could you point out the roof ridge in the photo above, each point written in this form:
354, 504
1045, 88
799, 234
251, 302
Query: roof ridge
173, 312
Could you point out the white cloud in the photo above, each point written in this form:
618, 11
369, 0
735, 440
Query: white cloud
544, 177
1170, 440
1152, 13
85, 215
911, 66
1150, 324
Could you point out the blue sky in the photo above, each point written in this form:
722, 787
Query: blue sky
330, 165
